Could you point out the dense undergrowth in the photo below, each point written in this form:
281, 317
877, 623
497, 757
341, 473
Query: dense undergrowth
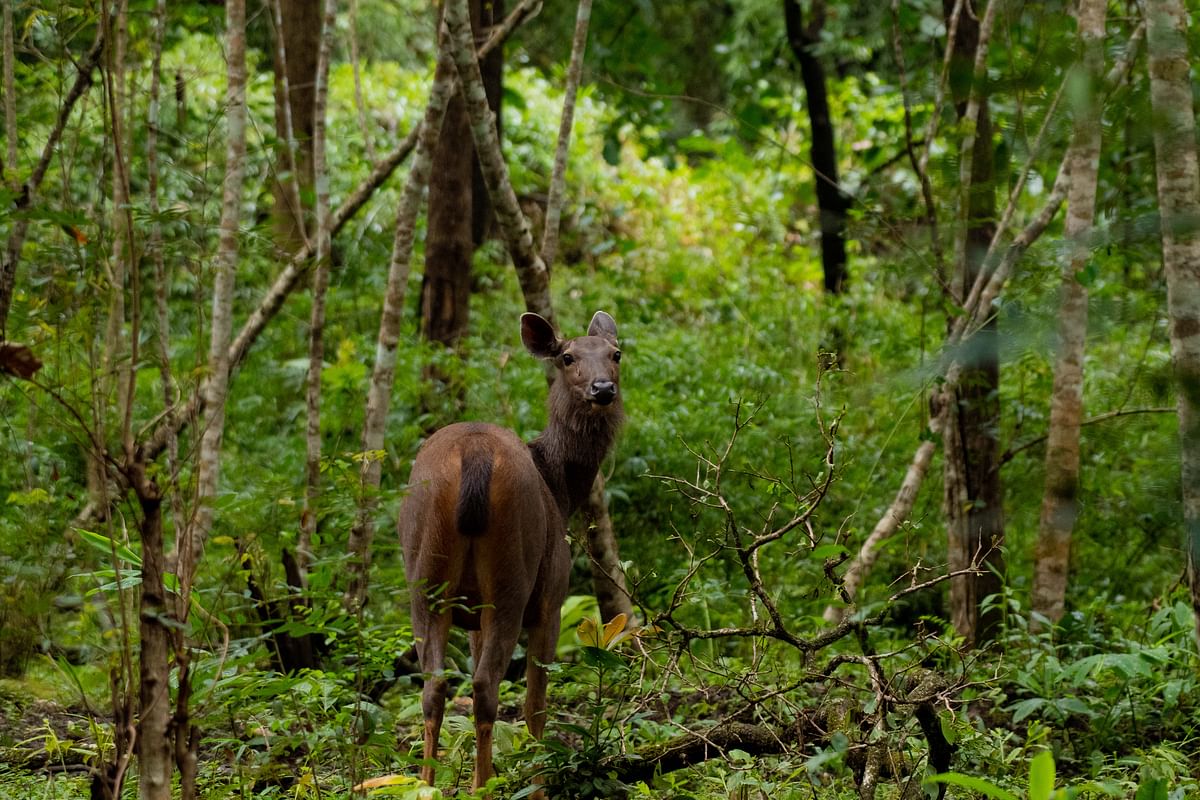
706, 261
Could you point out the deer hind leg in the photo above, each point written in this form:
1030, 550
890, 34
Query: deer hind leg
543, 641
432, 632
493, 648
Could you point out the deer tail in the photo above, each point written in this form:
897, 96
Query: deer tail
474, 491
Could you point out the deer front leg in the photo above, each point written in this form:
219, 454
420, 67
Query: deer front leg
543, 640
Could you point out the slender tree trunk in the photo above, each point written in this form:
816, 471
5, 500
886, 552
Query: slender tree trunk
356, 66
297, 51
457, 183
217, 385
9, 172
383, 374
973, 492
156, 753
831, 202
491, 66
608, 576
155, 251
114, 363
1059, 506
1179, 205
155, 734
532, 271
320, 285
558, 179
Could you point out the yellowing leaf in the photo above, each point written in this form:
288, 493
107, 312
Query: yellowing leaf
588, 633
612, 629
386, 780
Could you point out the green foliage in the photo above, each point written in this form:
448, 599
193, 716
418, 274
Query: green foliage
697, 229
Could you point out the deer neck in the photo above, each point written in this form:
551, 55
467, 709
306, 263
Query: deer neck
569, 451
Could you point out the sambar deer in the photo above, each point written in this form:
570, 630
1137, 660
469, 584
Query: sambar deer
484, 530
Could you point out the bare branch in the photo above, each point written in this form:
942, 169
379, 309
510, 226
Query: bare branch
558, 178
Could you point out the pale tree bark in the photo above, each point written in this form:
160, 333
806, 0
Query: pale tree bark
1052, 554
383, 374
1179, 206
117, 368
608, 575
320, 286
886, 527
217, 385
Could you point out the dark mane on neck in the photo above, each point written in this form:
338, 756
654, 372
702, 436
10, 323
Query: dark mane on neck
576, 440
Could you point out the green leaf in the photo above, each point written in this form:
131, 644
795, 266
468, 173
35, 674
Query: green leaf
107, 546
1152, 789
829, 551
1041, 776
1024, 708
974, 784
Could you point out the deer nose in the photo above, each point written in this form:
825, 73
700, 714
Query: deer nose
603, 392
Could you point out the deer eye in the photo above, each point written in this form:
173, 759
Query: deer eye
617, 356
568, 359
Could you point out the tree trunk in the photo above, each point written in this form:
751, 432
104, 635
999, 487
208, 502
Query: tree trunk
1179, 204
531, 270
973, 492
831, 202
295, 56
449, 243
156, 751
491, 67
156, 754
217, 384
1059, 506
457, 183
608, 576
320, 285
558, 178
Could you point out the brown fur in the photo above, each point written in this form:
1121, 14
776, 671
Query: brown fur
484, 530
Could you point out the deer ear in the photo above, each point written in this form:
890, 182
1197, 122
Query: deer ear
603, 325
539, 336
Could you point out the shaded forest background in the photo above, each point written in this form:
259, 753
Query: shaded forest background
906, 484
